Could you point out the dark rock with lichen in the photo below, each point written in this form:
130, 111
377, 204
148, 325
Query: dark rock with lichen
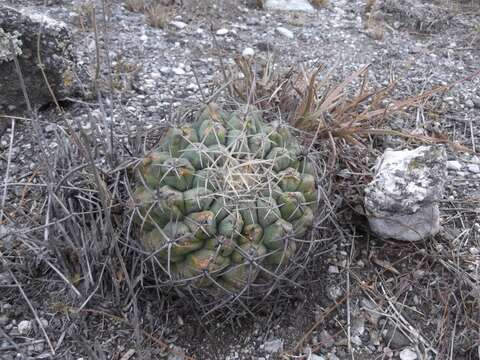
43, 47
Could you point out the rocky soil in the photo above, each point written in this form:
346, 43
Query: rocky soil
366, 298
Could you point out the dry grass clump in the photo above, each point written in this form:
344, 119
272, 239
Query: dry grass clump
135, 5
157, 15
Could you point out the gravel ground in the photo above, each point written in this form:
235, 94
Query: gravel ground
369, 298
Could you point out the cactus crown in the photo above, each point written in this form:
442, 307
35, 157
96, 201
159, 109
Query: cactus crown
225, 198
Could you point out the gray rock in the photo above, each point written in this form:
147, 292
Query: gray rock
402, 200
23, 28
289, 5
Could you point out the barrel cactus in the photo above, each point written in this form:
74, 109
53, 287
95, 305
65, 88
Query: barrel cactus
226, 199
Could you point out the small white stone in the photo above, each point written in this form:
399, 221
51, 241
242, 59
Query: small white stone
178, 24
144, 37
474, 168
178, 71
408, 354
289, 5
285, 32
155, 75
476, 227
356, 340
221, 32
332, 269
50, 128
165, 70
248, 52
454, 165
24, 327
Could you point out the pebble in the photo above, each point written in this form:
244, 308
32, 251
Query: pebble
334, 292
178, 71
223, 31
248, 52
36, 347
178, 24
474, 168
454, 165
285, 32
408, 354
476, 102
469, 103
476, 227
289, 5
356, 340
44, 322
24, 327
155, 75
273, 346
332, 269
50, 128
165, 70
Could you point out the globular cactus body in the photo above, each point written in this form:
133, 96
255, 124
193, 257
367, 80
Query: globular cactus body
225, 198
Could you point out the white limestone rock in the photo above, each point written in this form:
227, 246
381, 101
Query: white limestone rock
402, 200
289, 5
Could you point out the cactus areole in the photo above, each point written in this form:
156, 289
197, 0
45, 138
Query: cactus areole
225, 199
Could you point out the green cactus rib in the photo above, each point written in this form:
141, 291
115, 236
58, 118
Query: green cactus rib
225, 197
